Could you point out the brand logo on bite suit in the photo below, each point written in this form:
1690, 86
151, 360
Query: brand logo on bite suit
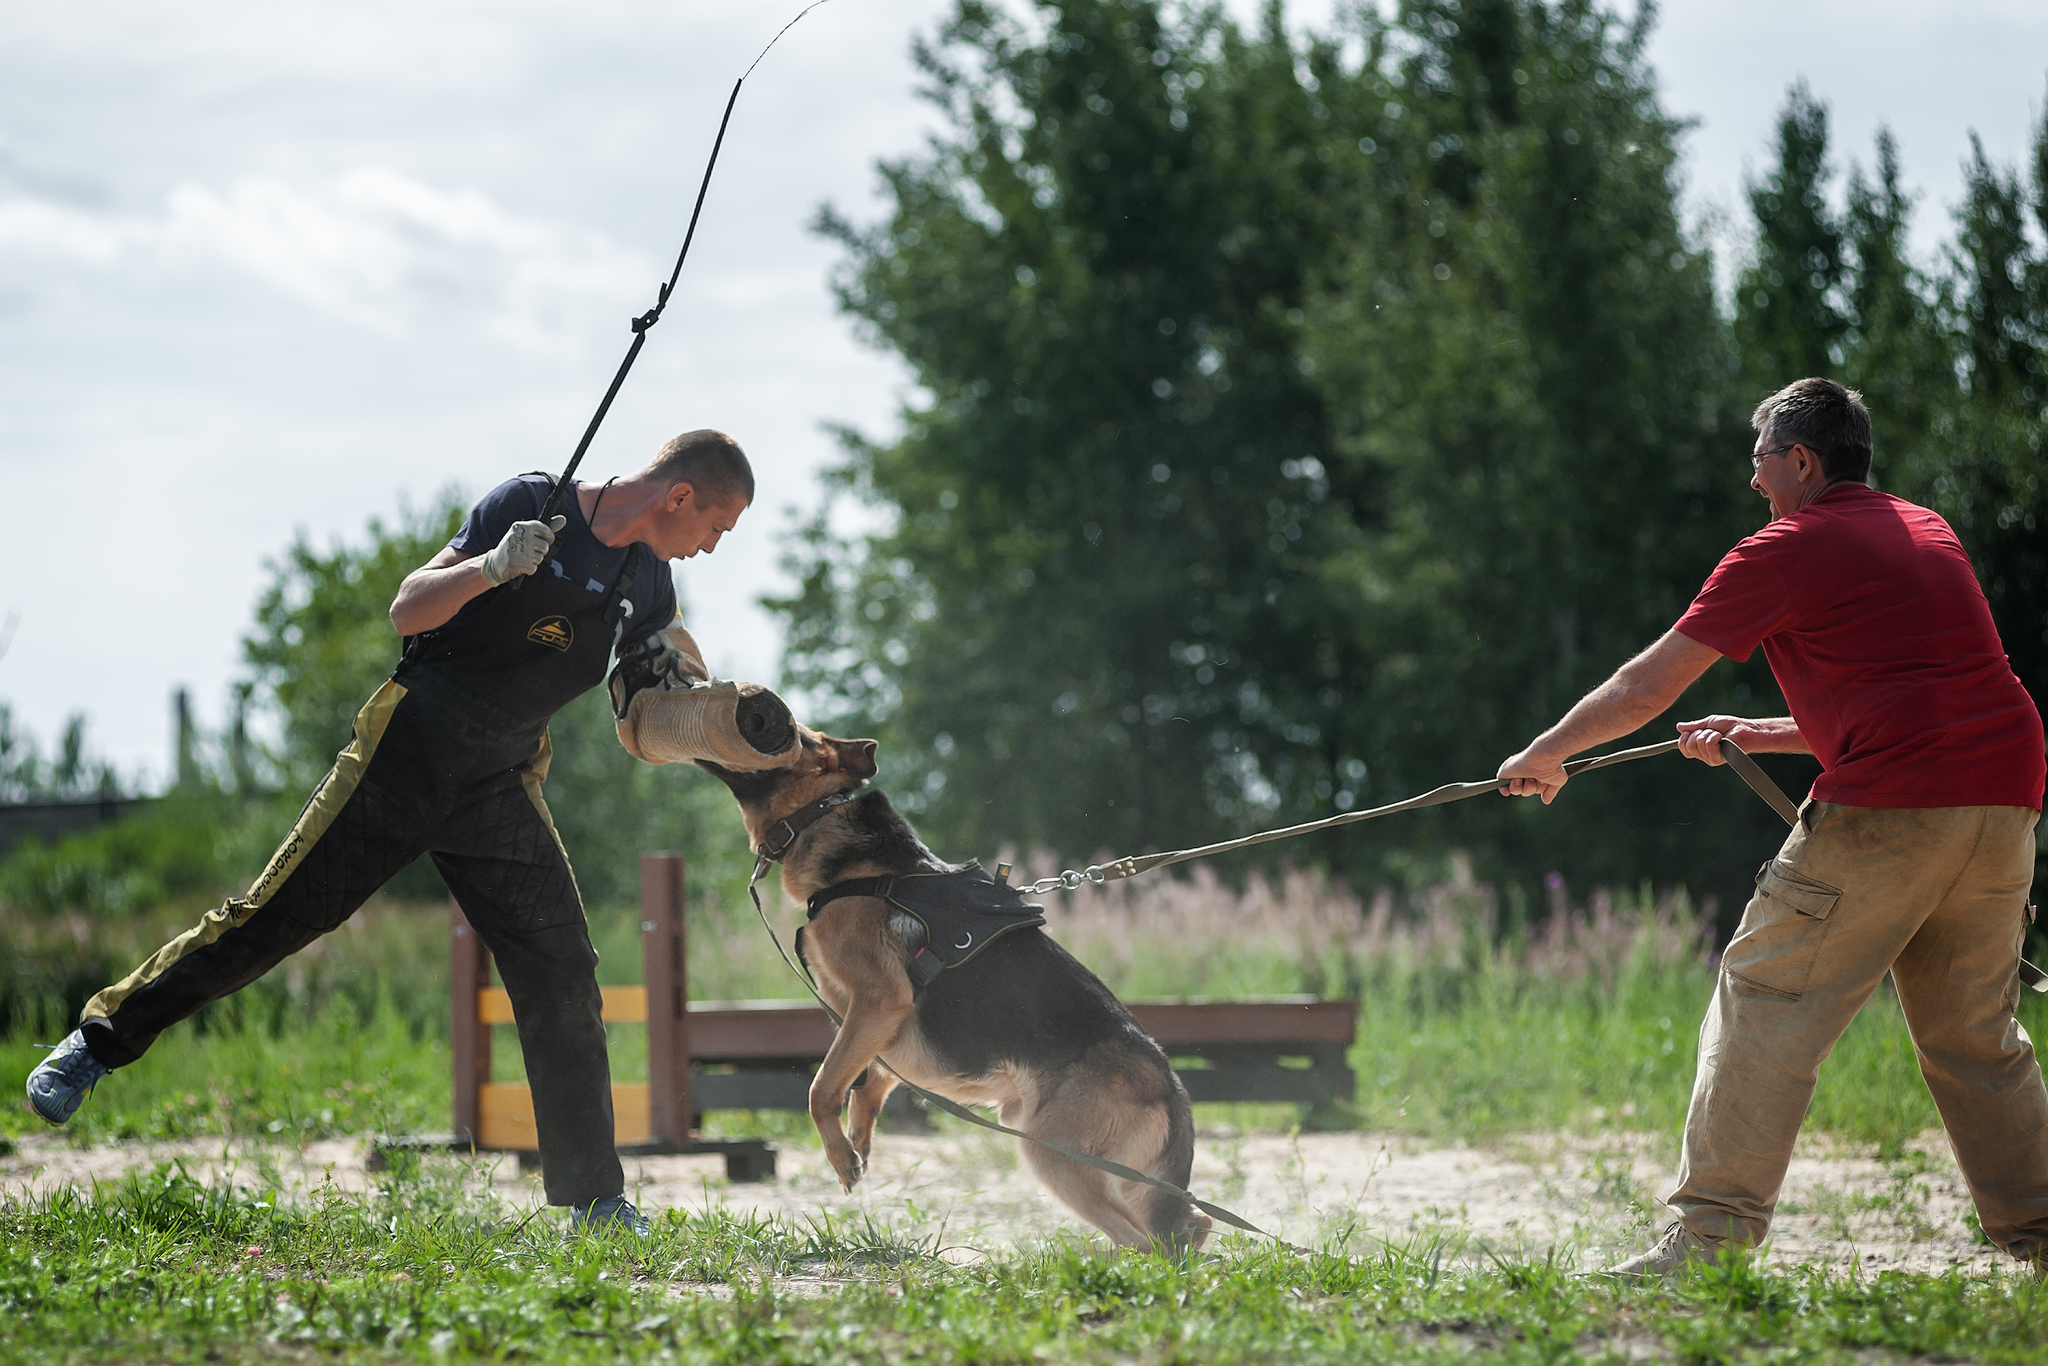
554, 632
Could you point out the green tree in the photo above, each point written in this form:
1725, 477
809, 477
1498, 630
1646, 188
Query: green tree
322, 639
1533, 356
1294, 433
1897, 353
1995, 434
1788, 314
1109, 506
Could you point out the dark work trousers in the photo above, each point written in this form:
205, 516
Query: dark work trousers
432, 769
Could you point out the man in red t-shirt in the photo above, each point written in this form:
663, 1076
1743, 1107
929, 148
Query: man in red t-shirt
1913, 855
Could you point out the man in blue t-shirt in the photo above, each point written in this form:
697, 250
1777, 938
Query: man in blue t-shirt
515, 618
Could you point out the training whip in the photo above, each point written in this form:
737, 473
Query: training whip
645, 322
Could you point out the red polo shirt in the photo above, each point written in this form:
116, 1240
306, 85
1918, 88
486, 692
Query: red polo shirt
1877, 632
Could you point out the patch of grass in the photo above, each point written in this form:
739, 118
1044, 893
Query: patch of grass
340, 1071
429, 1267
1593, 1025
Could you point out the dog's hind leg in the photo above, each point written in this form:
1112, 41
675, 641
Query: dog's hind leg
1172, 1222
1078, 1116
1124, 1114
1088, 1193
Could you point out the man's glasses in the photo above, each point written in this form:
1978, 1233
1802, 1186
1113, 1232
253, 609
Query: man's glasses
1756, 461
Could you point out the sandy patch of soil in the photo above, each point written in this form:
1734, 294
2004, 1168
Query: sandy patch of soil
1591, 1199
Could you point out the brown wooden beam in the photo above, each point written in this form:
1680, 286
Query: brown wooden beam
736, 1031
469, 972
727, 1031
1177, 1023
663, 902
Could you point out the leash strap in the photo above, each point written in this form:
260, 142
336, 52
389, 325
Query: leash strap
1760, 782
641, 326
1449, 792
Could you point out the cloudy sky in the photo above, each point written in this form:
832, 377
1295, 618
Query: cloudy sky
289, 265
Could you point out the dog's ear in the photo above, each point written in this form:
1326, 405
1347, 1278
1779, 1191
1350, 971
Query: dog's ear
858, 758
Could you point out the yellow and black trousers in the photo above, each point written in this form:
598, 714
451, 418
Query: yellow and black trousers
432, 769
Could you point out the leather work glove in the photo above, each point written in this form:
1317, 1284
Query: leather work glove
667, 660
677, 657
524, 549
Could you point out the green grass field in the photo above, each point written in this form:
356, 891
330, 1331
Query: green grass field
162, 1268
1469, 1031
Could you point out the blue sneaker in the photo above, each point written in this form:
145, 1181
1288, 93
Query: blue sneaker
613, 1214
62, 1081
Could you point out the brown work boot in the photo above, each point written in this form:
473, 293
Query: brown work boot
1679, 1248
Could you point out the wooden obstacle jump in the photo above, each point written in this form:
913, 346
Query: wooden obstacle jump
649, 1117
761, 1055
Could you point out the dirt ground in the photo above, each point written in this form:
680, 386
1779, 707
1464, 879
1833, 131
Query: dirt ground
1591, 1200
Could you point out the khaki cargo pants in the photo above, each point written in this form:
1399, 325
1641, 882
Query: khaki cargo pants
1936, 896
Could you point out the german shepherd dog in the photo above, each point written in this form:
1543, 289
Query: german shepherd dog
1020, 1025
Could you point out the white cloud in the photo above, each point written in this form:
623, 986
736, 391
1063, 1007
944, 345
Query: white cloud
36, 227
373, 246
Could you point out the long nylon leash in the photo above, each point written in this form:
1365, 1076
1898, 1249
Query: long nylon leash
1745, 767
1115, 869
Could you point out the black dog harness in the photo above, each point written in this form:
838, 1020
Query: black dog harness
962, 913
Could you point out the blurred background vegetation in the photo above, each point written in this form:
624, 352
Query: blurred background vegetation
1304, 424
1299, 423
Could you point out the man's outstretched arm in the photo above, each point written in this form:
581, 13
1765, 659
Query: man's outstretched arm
1639, 692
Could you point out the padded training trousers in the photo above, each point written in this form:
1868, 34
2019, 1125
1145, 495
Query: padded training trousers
427, 772
1935, 896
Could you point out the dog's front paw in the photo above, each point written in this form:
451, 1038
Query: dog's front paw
849, 1164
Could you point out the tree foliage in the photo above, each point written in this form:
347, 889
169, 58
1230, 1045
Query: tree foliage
1104, 301
1789, 318
322, 639
1301, 423
1296, 430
